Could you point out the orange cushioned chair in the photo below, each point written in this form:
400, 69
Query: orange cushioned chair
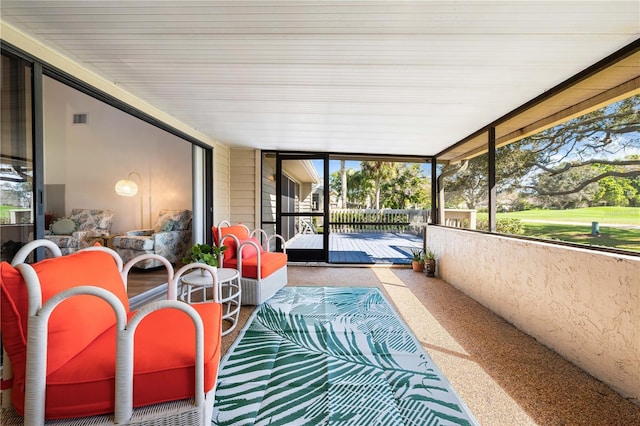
76, 350
262, 271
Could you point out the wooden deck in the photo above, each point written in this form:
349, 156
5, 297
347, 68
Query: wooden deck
363, 248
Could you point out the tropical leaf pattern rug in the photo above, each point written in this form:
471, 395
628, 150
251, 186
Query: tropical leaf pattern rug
332, 356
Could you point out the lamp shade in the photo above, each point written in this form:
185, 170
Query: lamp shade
126, 188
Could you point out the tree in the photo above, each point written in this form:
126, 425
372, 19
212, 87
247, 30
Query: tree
409, 187
468, 184
563, 166
566, 182
598, 145
376, 172
616, 192
343, 188
387, 185
359, 189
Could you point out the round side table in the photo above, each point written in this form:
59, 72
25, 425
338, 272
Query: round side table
228, 286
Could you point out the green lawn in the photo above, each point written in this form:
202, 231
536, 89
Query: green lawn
4, 213
613, 215
621, 238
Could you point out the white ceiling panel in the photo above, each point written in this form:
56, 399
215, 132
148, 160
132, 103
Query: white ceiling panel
379, 77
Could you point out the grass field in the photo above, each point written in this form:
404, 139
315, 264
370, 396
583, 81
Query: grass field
620, 238
4, 213
612, 215
614, 237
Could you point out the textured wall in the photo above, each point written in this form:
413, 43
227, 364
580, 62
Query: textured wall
583, 304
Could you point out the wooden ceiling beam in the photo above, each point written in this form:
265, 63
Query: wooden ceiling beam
625, 90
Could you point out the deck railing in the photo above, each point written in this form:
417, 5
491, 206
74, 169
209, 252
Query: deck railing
348, 221
372, 220
460, 218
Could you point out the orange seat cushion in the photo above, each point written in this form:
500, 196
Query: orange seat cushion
163, 367
230, 263
81, 345
13, 323
270, 262
67, 336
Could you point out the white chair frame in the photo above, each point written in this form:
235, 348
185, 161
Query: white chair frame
256, 290
196, 411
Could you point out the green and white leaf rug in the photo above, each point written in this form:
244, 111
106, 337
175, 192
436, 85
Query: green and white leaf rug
332, 356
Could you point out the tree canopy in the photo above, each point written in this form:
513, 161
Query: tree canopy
380, 184
589, 160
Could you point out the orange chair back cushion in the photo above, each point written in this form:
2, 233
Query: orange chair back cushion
238, 230
230, 252
76, 322
81, 354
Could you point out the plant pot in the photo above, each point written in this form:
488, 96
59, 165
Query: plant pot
430, 268
417, 265
204, 272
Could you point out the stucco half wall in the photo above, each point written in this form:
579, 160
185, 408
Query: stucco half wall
583, 304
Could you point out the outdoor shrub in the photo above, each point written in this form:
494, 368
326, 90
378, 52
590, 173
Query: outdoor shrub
509, 225
504, 225
482, 224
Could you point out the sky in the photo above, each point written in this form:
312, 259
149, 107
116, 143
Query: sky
334, 165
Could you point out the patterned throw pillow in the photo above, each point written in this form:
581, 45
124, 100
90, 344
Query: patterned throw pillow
63, 226
169, 225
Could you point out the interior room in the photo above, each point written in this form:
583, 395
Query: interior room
89, 158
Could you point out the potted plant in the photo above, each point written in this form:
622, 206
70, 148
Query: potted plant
417, 259
204, 253
430, 263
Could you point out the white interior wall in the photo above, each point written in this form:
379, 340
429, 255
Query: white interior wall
90, 158
581, 303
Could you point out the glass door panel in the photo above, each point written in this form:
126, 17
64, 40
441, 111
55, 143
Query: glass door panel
301, 206
17, 210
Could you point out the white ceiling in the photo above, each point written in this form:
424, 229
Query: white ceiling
379, 77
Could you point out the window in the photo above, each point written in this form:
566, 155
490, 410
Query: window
578, 181
464, 193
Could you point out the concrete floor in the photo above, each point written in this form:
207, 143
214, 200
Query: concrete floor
504, 376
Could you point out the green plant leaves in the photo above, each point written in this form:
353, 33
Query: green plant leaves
204, 253
327, 355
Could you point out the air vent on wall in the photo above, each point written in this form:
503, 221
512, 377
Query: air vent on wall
80, 118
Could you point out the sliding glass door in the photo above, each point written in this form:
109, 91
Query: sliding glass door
17, 209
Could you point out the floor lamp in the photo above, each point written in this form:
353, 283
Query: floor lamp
128, 188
